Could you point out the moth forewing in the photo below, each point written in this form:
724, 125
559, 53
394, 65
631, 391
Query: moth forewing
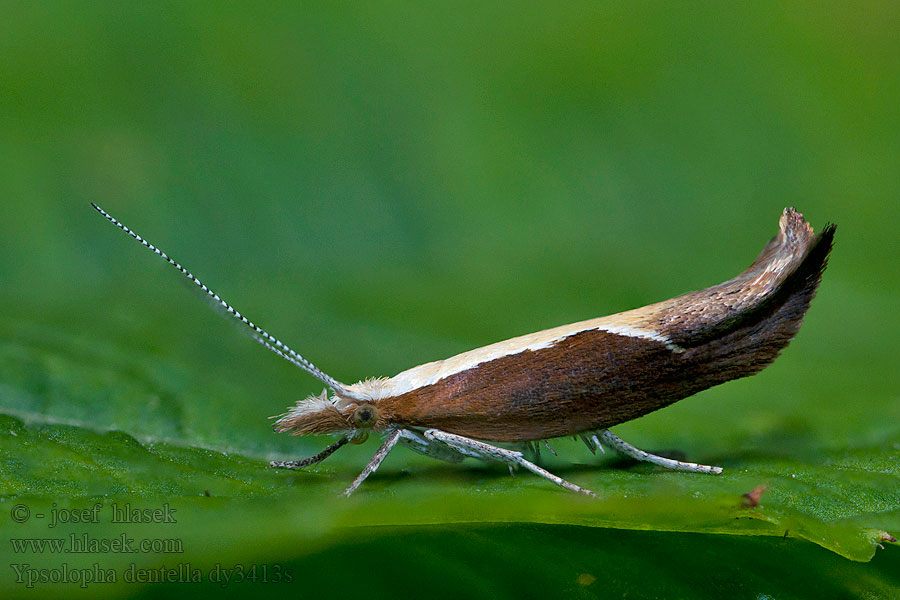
577, 379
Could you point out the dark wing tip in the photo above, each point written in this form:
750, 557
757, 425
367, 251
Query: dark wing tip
790, 262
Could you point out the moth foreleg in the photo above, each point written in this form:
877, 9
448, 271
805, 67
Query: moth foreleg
510, 457
636, 453
312, 460
376, 461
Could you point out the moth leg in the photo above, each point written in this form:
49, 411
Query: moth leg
299, 464
414, 440
376, 461
510, 457
550, 448
628, 450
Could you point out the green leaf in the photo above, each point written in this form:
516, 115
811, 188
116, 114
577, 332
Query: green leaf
842, 499
847, 515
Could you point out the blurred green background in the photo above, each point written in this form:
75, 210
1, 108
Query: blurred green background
385, 184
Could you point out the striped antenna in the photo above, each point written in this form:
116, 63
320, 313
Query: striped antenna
260, 335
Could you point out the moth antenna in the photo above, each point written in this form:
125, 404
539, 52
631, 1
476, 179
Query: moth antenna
259, 334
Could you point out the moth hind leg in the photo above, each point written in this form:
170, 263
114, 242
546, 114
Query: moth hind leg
627, 449
510, 457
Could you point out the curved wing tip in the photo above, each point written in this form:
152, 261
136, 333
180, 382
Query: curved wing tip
792, 221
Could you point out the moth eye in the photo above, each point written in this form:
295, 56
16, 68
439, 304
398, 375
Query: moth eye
365, 416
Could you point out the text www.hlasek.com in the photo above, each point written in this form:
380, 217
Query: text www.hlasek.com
85, 544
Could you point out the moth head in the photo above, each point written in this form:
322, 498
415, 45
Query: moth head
323, 414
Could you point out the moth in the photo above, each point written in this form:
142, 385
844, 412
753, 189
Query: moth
574, 380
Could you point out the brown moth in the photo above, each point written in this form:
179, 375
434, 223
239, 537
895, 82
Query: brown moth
574, 380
